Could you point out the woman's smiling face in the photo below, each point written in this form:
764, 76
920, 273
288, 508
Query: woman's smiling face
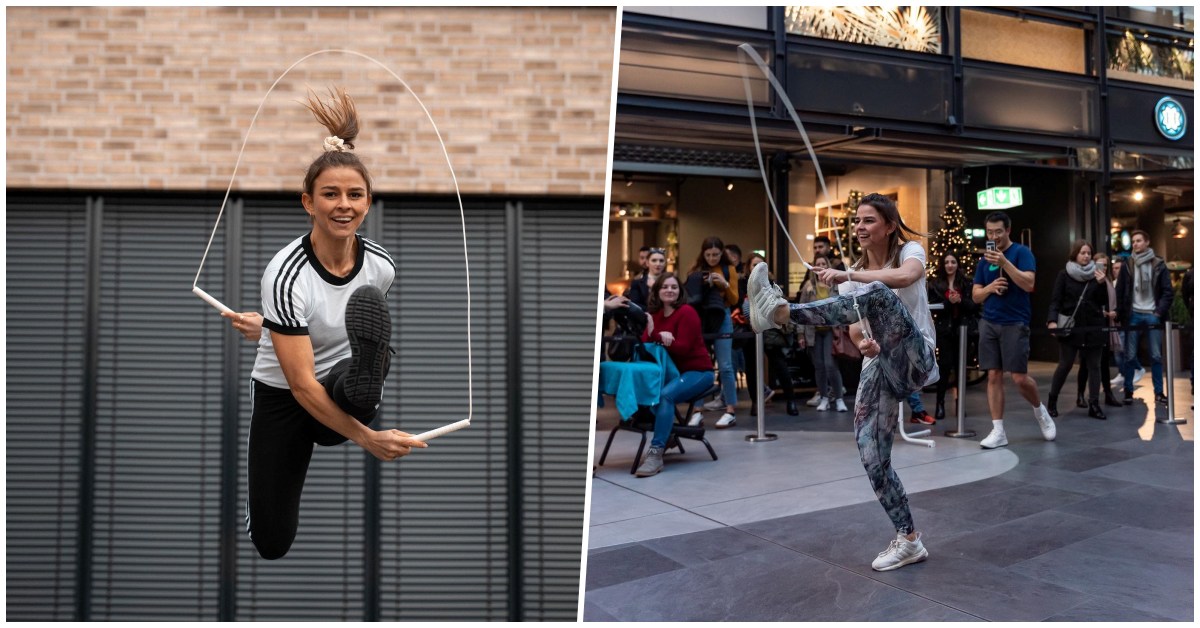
339, 202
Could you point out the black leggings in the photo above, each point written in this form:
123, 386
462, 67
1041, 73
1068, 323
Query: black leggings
1066, 360
776, 368
1105, 364
947, 361
282, 434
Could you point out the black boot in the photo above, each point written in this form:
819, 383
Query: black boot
1094, 410
1079, 402
939, 412
1110, 400
1052, 405
792, 410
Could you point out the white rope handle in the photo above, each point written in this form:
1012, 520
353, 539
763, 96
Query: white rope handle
458, 195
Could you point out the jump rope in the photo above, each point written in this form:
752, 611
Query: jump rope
747, 53
424, 436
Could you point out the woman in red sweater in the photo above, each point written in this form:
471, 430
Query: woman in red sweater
675, 325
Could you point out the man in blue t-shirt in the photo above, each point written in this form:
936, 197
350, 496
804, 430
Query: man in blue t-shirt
1003, 281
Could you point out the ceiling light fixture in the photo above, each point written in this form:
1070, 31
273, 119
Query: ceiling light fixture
1180, 230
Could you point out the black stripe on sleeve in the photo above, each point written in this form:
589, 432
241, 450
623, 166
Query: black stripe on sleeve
285, 330
281, 280
372, 247
284, 283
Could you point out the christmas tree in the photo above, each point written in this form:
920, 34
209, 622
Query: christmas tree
951, 238
845, 230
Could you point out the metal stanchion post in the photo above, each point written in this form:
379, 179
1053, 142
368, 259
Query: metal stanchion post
1169, 384
962, 385
762, 436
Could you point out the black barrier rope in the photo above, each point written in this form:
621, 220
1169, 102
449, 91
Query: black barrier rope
749, 335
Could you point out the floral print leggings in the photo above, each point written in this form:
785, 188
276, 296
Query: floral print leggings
905, 362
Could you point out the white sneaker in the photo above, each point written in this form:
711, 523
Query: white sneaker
1137, 375
900, 552
841, 406
812, 403
823, 406
715, 404
696, 419
765, 298
1045, 422
995, 439
1118, 381
726, 420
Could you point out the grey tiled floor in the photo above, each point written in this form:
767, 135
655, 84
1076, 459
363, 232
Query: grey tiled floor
1097, 525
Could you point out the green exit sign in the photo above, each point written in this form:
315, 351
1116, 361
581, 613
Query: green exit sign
998, 198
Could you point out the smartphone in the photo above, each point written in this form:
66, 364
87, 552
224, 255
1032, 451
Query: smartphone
991, 245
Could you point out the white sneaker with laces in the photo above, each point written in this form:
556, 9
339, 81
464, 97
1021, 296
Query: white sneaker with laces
995, 439
1138, 375
715, 404
696, 419
812, 403
765, 298
823, 406
900, 552
1045, 422
841, 406
726, 420
1117, 381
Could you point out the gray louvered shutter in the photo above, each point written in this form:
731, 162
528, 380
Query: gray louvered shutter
158, 415
560, 258
444, 523
46, 258
321, 578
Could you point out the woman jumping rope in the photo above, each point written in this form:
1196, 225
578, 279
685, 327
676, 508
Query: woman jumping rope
324, 353
887, 291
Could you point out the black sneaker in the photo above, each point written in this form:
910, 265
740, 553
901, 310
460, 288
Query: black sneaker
369, 328
1161, 399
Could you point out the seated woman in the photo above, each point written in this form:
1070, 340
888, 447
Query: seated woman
675, 325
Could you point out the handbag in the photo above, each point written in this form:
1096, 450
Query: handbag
1067, 322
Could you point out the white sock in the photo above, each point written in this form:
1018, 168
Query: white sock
998, 425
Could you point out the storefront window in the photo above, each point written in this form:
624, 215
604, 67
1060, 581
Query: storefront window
1126, 160
989, 36
1142, 56
695, 68
918, 29
1180, 18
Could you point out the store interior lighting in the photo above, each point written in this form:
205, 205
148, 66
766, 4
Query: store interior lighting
1138, 196
728, 185
1180, 230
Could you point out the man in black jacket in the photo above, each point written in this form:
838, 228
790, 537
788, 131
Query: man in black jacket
1144, 296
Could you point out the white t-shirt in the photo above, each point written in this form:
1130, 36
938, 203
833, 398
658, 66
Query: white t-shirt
915, 300
301, 297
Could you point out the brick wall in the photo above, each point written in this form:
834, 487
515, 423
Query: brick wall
161, 98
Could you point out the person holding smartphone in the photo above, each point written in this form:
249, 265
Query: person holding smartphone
1003, 282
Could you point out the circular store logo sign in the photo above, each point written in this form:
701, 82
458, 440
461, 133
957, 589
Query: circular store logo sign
1170, 118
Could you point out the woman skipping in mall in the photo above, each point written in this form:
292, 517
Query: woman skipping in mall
885, 289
